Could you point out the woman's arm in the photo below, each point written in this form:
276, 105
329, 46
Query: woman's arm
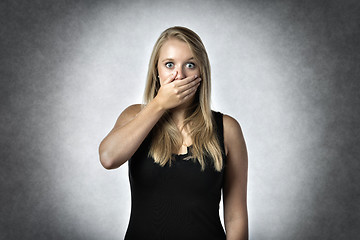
235, 185
134, 124
130, 130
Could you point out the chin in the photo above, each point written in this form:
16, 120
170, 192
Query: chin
187, 103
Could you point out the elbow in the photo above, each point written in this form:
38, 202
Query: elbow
105, 158
108, 161
105, 161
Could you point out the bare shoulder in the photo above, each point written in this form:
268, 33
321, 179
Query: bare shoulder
230, 122
128, 114
131, 110
232, 128
233, 136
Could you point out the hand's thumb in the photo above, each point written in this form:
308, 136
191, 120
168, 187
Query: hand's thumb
171, 78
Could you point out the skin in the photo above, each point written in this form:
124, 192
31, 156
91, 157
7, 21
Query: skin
178, 87
235, 183
177, 65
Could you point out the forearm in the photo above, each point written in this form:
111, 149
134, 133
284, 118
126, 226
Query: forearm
121, 143
237, 229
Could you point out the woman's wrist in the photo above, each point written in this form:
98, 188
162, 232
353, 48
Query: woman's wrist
158, 106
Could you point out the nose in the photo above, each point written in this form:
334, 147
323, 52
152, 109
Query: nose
181, 73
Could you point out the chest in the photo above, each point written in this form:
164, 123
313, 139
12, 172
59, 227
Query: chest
183, 177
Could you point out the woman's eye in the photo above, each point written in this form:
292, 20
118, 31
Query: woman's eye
190, 65
169, 65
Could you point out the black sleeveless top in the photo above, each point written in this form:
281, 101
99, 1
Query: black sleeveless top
177, 202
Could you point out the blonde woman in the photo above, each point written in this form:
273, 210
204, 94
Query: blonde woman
180, 153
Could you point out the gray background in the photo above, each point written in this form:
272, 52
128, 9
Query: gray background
288, 71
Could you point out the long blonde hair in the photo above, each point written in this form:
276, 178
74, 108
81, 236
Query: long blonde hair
166, 136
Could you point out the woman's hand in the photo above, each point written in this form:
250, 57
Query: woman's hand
175, 92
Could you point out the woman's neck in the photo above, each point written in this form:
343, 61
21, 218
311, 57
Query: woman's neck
178, 116
178, 113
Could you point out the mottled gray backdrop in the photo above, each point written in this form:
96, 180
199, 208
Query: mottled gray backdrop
288, 71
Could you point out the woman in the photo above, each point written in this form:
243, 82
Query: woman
180, 153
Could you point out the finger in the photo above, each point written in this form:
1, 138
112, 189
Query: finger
189, 95
185, 81
190, 90
190, 85
171, 77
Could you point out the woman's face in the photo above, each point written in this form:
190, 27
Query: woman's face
175, 55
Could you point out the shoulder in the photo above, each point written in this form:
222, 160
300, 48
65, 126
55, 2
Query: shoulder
233, 136
230, 121
132, 109
128, 114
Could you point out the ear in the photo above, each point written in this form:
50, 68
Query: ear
157, 85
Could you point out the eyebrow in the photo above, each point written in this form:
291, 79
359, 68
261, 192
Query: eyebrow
171, 59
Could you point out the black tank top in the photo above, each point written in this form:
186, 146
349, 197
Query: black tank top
177, 202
